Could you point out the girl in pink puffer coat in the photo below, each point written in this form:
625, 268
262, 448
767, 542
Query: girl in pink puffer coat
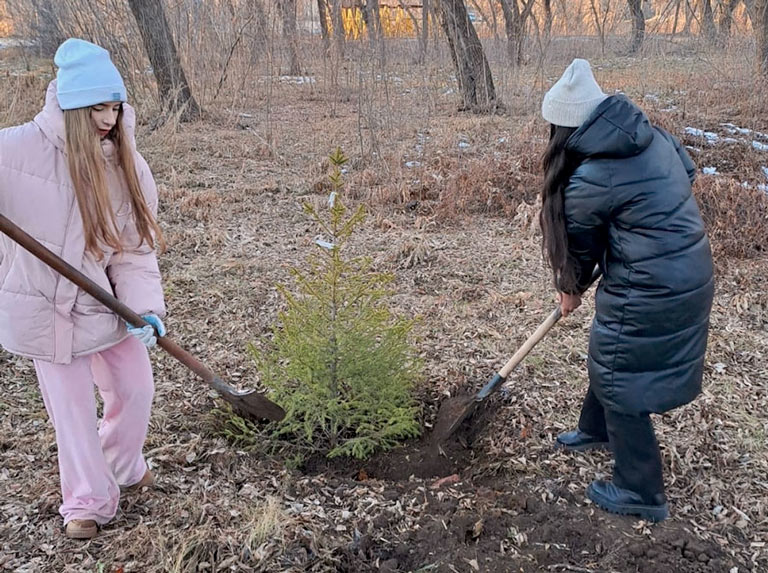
72, 179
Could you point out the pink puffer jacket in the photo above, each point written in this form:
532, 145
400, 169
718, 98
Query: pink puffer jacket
43, 315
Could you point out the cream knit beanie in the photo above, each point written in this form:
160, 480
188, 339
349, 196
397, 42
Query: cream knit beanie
574, 96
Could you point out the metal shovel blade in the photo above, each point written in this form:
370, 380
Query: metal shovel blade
248, 404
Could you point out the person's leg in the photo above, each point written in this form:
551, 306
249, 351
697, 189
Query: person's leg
592, 417
638, 459
88, 487
638, 483
591, 433
123, 375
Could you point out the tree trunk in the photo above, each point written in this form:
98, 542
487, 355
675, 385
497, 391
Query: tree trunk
726, 18
172, 84
472, 70
708, 27
424, 37
548, 17
322, 10
689, 17
638, 25
514, 24
288, 12
374, 20
676, 19
338, 27
750, 6
760, 24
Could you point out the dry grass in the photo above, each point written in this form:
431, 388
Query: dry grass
459, 231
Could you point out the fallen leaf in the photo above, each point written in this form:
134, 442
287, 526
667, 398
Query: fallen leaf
448, 480
477, 529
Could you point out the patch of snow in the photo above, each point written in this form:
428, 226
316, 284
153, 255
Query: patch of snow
709, 171
710, 136
731, 140
730, 128
669, 109
502, 140
760, 146
412, 164
763, 188
449, 91
298, 80
765, 171
463, 145
694, 149
651, 97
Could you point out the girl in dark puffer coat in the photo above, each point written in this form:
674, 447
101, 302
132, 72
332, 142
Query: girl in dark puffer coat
617, 194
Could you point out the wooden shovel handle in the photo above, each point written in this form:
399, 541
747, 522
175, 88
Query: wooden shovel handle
532, 341
540, 333
107, 299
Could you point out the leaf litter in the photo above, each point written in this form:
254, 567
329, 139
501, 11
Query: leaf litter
502, 499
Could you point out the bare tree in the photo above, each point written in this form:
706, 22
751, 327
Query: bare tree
472, 70
288, 13
515, 19
172, 84
601, 10
373, 18
726, 18
760, 24
708, 27
322, 10
338, 27
676, 18
424, 36
638, 24
548, 18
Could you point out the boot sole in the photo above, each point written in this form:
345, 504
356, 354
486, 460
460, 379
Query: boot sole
589, 446
653, 513
89, 533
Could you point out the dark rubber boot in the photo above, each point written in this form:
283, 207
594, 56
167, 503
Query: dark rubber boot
624, 502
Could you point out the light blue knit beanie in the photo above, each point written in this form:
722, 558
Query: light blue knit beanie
86, 75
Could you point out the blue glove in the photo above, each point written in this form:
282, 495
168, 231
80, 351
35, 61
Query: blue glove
148, 334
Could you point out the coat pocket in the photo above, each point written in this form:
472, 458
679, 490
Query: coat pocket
26, 324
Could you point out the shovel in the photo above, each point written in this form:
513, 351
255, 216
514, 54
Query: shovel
454, 411
247, 404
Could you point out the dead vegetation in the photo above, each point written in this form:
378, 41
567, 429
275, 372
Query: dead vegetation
459, 230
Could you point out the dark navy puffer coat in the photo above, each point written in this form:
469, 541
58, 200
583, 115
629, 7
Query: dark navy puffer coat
629, 209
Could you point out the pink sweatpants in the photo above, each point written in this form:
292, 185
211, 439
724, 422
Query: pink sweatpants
96, 459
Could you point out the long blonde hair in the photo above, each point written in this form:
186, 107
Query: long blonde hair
86, 168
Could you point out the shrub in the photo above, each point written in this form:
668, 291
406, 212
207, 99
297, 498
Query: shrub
340, 362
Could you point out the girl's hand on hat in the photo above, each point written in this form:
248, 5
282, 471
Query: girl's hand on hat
148, 334
568, 302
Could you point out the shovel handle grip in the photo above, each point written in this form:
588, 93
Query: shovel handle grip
107, 299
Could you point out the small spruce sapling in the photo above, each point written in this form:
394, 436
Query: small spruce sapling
340, 361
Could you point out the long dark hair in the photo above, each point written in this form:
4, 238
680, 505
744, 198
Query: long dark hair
558, 167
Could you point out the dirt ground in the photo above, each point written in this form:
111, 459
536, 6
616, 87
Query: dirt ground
453, 215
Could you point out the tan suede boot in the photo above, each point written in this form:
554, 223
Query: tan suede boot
147, 481
82, 529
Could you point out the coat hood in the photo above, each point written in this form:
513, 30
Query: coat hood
51, 122
616, 129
